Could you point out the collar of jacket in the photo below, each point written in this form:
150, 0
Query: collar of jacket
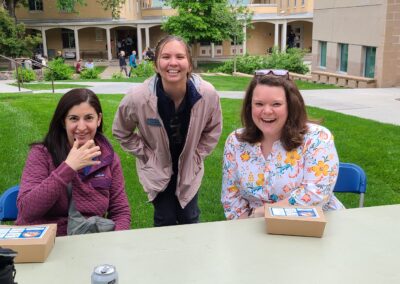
107, 155
194, 79
192, 93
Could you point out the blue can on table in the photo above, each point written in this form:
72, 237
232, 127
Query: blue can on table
105, 274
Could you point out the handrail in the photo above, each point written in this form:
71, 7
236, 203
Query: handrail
34, 62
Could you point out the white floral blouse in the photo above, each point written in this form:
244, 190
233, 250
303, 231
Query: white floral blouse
305, 175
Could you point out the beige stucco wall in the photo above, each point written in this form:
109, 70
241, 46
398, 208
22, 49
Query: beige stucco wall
389, 57
308, 29
54, 40
359, 23
260, 38
158, 12
299, 8
130, 10
263, 9
92, 10
155, 35
87, 40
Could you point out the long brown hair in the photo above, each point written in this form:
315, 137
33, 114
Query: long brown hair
296, 123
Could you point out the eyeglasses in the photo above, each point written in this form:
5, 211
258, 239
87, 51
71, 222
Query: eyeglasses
273, 72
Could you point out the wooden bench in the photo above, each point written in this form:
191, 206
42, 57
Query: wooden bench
343, 80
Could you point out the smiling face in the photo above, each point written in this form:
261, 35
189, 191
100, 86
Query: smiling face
269, 110
173, 64
81, 123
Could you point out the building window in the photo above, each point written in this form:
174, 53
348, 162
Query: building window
370, 54
35, 5
295, 3
322, 53
68, 38
99, 34
303, 3
288, 3
344, 52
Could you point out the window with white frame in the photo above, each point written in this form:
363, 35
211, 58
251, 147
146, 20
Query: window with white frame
99, 34
303, 3
35, 5
343, 56
369, 64
322, 53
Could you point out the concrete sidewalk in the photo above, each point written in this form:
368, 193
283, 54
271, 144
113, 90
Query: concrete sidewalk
6, 88
382, 105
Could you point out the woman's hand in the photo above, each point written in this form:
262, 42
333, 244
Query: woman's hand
83, 156
253, 213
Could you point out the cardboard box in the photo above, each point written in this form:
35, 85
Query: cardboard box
33, 243
295, 220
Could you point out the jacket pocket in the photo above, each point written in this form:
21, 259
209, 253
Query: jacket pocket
197, 163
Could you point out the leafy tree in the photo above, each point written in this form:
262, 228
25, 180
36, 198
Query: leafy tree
67, 5
207, 20
14, 41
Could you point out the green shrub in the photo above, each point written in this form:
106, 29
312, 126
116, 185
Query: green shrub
61, 71
116, 76
144, 69
25, 75
291, 60
90, 74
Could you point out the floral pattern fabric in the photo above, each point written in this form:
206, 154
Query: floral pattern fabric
305, 175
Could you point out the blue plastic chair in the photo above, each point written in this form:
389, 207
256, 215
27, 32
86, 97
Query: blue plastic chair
351, 178
8, 204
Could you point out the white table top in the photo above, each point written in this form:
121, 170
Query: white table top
359, 246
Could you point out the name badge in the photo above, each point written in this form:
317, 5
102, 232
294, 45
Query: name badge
153, 122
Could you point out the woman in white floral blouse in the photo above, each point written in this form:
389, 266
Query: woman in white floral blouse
279, 155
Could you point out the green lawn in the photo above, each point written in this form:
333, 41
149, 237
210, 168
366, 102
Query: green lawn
374, 146
207, 66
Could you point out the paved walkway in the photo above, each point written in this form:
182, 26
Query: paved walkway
109, 71
382, 105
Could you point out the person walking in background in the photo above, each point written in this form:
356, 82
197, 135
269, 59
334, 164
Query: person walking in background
279, 156
170, 123
132, 62
75, 152
149, 55
122, 63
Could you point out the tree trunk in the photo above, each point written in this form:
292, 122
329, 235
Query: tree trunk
10, 7
194, 55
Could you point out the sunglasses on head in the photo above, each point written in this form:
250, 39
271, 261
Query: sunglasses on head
272, 72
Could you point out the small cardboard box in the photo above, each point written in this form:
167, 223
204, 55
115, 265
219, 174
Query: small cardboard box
33, 243
295, 220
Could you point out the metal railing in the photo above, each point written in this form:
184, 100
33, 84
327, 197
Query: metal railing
21, 64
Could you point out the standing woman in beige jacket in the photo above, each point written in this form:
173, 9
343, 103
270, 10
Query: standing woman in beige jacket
170, 123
